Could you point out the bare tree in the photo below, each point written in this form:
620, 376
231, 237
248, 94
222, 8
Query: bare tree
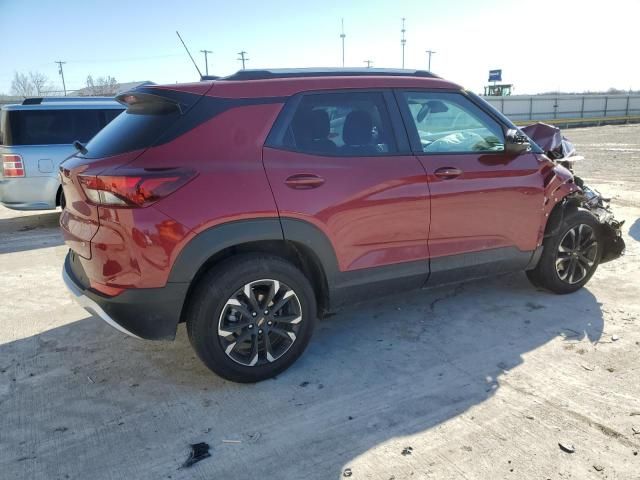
40, 82
35, 83
21, 85
102, 86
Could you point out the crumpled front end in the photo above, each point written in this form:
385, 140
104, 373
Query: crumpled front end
593, 201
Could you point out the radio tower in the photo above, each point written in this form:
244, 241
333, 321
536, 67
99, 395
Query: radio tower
403, 41
342, 35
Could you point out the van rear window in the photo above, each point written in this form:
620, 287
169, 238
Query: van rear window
53, 127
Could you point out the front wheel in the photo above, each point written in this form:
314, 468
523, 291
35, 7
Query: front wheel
571, 257
251, 317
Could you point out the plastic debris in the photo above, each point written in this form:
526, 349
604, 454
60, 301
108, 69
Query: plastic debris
347, 472
598, 468
199, 451
407, 451
566, 447
231, 441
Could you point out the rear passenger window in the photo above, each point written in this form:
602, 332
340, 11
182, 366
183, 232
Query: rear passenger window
341, 124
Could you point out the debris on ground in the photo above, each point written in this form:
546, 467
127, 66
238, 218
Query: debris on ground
199, 451
611, 369
615, 338
529, 417
586, 367
634, 414
407, 451
304, 384
254, 437
567, 447
347, 472
598, 468
90, 379
231, 441
636, 431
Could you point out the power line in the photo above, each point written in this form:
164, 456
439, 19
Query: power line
243, 58
342, 36
430, 52
61, 72
206, 60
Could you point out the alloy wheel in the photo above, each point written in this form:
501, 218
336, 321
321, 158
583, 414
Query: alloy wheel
259, 323
577, 253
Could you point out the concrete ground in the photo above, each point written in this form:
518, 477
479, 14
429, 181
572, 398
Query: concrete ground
478, 381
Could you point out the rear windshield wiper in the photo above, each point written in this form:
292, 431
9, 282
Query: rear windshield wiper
81, 148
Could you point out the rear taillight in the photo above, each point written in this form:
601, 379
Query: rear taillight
12, 165
135, 189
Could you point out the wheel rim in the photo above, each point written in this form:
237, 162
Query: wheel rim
577, 254
260, 322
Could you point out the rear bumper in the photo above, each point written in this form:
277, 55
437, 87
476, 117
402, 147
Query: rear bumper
144, 313
29, 193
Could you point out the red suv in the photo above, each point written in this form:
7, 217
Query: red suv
247, 206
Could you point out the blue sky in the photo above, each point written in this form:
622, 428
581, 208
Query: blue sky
135, 40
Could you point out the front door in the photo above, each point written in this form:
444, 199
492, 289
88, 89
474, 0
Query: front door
486, 205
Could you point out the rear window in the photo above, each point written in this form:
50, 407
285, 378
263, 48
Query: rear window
53, 127
139, 126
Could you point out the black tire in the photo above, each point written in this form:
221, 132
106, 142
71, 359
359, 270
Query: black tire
211, 310
547, 275
63, 200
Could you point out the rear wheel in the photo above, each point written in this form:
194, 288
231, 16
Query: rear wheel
62, 200
571, 257
251, 317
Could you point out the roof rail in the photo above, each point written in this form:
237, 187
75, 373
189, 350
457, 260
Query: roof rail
325, 72
39, 100
32, 101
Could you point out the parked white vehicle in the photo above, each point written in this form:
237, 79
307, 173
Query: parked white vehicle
36, 136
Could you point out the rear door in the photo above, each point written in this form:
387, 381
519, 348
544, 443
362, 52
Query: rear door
486, 206
340, 161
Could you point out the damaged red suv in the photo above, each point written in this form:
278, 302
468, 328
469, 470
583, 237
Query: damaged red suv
248, 206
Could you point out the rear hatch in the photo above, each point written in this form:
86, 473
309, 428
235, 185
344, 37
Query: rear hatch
96, 180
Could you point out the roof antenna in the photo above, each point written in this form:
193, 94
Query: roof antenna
189, 53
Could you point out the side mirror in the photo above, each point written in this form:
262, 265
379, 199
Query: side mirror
515, 142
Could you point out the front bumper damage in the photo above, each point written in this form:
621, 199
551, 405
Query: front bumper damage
593, 201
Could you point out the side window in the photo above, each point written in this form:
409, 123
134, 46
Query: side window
341, 124
451, 123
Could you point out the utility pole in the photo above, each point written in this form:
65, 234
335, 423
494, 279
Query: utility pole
61, 72
369, 63
342, 35
430, 52
403, 40
206, 61
242, 57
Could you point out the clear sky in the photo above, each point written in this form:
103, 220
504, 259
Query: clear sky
541, 45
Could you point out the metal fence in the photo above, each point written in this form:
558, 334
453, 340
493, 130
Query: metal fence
569, 109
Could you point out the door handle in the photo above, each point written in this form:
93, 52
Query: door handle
447, 173
304, 181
